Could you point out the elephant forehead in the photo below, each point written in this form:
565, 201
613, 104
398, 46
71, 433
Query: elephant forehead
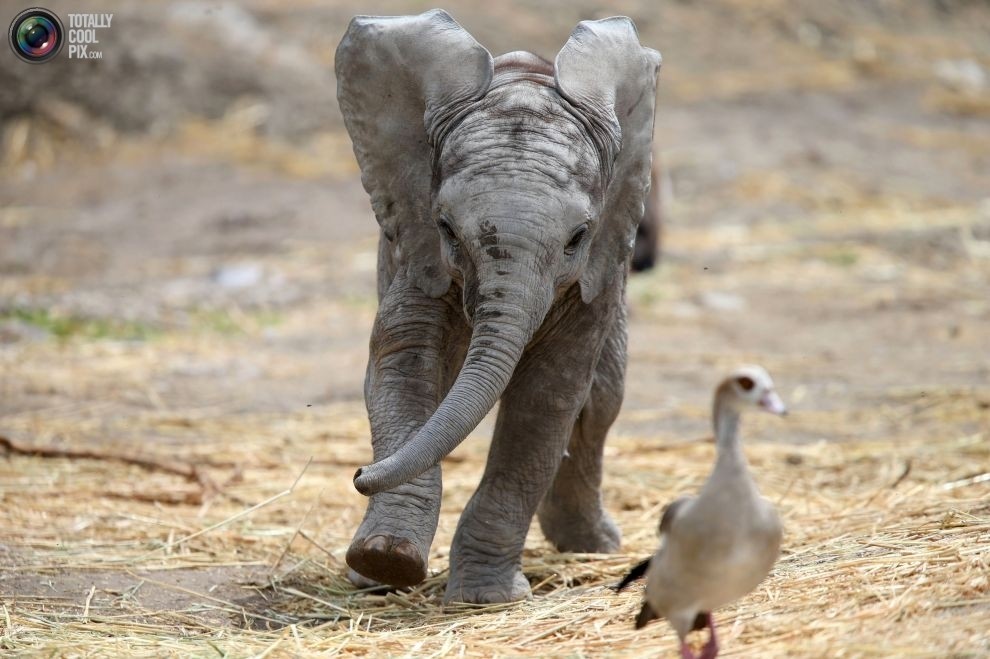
522, 132
498, 208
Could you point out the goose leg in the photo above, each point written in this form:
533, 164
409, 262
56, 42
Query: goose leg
710, 651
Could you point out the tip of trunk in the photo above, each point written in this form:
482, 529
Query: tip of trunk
361, 482
388, 474
495, 349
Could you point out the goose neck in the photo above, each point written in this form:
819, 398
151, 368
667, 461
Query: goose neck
726, 421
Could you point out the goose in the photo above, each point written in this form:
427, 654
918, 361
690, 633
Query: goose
718, 546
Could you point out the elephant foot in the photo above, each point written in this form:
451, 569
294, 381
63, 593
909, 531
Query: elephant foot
487, 591
362, 582
392, 545
387, 559
578, 534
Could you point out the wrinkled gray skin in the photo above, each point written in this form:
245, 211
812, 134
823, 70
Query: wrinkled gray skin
508, 193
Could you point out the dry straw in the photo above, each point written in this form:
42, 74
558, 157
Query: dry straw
886, 551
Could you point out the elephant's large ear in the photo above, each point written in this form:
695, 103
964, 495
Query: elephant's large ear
605, 72
399, 78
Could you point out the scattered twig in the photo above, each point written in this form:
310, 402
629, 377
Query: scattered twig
187, 498
971, 480
295, 635
89, 600
305, 536
6, 615
299, 593
897, 481
904, 474
189, 472
271, 648
226, 605
243, 513
297, 532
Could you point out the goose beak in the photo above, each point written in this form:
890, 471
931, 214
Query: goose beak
772, 403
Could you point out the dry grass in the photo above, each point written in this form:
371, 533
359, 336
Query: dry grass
885, 551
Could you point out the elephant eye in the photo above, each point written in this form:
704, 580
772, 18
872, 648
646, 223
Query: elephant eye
447, 231
576, 240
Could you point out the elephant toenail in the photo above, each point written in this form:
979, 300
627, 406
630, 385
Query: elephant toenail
376, 543
406, 550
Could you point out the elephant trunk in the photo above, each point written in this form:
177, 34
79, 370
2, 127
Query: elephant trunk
504, 323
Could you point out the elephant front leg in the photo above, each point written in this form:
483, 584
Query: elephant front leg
572, 515
411, 349
530, 435
393, 542
537, 412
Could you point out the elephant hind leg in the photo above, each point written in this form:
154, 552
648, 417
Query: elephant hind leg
572, 515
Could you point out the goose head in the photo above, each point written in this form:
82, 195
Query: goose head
749, 386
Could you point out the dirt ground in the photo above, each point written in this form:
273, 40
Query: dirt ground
191, 279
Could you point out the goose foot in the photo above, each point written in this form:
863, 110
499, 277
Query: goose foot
710, 651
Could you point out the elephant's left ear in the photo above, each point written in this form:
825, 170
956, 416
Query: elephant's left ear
605, 72
399, 79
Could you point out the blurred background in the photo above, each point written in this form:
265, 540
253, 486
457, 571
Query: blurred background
183, 226
187, 272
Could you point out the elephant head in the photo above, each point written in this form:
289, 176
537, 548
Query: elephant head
515, 186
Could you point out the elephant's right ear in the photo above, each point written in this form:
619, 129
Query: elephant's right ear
399, 78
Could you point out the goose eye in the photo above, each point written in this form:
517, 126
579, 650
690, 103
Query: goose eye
576, 240
746, 383
448, 231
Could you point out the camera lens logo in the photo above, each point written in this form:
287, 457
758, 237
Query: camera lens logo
36, 35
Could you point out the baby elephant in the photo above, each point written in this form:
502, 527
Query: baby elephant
508, 192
